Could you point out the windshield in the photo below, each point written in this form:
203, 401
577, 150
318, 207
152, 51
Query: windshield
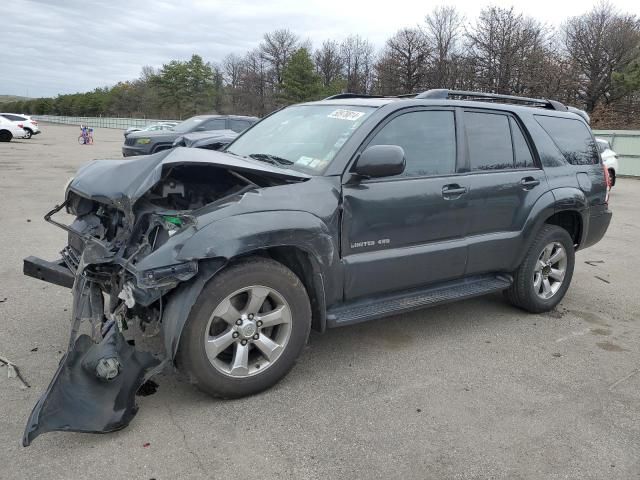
189, 124
302, 137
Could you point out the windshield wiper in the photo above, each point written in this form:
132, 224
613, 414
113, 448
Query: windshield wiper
272, 159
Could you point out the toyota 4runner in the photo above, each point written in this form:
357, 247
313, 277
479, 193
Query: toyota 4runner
321, 215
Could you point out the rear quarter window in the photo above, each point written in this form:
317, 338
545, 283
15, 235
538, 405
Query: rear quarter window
573, 139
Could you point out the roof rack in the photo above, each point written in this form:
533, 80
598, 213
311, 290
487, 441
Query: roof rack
362, 95
444, 93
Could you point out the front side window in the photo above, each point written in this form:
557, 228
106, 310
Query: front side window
302, 137
428, 139
217, 124
489, 141
572, 137
189, 125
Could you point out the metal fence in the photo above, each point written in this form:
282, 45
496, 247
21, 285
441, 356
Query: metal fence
101, 122
626, 143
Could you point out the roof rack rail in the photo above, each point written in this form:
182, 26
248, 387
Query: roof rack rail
362, 95
443, 93
351, 95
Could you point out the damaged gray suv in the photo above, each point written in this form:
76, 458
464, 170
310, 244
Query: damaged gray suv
321, 215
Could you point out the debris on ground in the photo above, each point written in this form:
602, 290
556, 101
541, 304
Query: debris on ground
14, 372
593, 262
602, 279
2, 300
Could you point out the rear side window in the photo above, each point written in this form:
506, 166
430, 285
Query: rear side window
572, 137
428, 138
14, 118
489, 141
523, 157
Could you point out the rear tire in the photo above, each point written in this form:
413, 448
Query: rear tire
225, 359
5, 136
27, 133
543, 277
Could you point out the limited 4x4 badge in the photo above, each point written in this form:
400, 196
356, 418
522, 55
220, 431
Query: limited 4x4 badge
371, 243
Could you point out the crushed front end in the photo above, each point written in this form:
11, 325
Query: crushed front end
123, 263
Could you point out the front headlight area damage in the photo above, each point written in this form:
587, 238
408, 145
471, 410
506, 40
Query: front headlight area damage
123, 261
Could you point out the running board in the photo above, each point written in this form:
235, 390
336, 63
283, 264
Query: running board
369, 309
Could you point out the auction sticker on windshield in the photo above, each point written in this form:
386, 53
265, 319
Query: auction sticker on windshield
346, 114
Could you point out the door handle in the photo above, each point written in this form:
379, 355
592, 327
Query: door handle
453, 191
529, 182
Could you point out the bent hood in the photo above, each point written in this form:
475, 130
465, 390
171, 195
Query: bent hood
122, 182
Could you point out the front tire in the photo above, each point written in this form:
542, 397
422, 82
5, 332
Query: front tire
5, 136
246, 330
544, 276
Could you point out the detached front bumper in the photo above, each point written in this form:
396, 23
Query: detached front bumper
53, 272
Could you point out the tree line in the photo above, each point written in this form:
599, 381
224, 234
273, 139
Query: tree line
591, 61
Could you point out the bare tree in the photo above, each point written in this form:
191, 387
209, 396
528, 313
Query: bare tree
599, 43
256, 94
276, 49
357, 58
328, 62
402, 66
443, 30
232, 69
504, 45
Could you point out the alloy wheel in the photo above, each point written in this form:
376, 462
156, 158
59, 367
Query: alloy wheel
550, 270
248, 331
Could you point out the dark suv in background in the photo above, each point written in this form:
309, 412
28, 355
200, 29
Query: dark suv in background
321, 215
147, 142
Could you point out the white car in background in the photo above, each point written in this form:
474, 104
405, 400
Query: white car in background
9, 130
30, 126
609, 158
154, 127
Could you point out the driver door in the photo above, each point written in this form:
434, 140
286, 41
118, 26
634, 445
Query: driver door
408, 230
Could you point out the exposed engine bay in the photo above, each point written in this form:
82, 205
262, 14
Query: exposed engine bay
122, 259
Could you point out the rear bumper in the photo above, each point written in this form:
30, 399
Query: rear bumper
598, 225
52, 272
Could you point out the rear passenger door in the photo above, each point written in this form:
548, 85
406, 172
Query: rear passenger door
406, 230
504, 181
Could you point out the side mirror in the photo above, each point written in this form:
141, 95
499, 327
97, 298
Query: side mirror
381, 161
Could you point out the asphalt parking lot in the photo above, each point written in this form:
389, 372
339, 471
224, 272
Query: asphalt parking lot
473, 390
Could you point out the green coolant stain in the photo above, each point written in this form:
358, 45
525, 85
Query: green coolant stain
175, 220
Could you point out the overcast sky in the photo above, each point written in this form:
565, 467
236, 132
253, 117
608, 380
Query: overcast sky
65, 46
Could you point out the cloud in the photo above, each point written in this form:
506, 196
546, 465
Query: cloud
66, 46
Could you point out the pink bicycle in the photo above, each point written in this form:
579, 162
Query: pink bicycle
86, 137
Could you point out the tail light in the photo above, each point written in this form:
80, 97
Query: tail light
20, 125
34, 122
607, 182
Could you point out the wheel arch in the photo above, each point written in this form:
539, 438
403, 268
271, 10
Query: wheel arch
571, 221
305, 247
564, 207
